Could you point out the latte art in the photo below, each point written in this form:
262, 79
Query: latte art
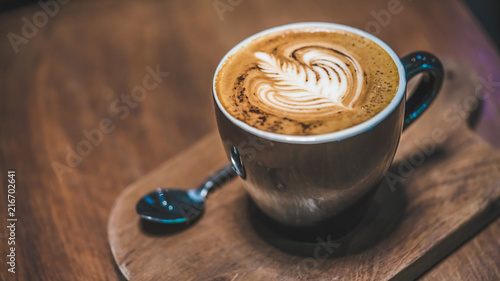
317, 80
306, 81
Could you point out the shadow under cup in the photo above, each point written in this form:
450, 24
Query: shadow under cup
312, 180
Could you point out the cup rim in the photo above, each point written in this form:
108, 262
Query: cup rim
322, 138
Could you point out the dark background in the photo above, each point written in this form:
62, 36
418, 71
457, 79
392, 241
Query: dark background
486, 11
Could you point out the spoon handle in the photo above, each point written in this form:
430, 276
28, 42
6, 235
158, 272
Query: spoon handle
221, 177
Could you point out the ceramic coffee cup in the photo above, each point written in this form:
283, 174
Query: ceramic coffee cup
306, 180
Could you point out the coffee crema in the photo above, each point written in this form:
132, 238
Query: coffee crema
307, 81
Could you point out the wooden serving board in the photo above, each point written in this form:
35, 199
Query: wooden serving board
443, 186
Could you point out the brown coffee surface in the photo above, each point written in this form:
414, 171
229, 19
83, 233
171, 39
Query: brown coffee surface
307, 81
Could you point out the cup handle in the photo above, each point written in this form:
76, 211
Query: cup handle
426, 63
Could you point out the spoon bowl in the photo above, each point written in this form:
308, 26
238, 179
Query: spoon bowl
173, 206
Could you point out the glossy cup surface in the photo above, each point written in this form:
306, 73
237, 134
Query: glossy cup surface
305, 180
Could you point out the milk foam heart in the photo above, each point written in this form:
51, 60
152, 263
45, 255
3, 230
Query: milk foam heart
316, 80
307, 81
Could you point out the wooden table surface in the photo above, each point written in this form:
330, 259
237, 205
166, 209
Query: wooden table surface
76, 138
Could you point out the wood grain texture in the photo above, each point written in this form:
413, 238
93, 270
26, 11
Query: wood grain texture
443, 186
66, 77
476, 260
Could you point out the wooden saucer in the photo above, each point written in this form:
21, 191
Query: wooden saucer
443, 186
